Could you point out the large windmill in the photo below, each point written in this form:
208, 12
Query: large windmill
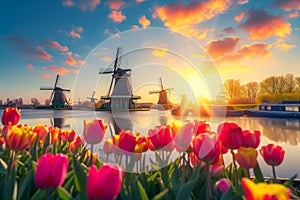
92, 98
163, 100
58, 98
119, 95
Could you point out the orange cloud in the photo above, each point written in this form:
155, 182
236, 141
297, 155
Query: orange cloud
82, 62
106, 59
239, 17
283, 46
82, 5
73, 34
56, 45
255, 50
30, 66
183, 18
262, 25
59, 70
233, 68
293, 15
71, 61
135, 27
116, 34
46, 76
288, 5
115, 4
139, 1
41, 54
117, 16
144, 21
159, 52
242, 2
219, 48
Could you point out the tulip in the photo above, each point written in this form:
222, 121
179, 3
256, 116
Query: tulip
272, 154
76, 143
142, 144
223, 185
93, 131
11, 115
127, 142
246, 157
264, 191
17, 138
41, 130
231, 135
51, 171
206, 147
161, 136
251, 139
202, 127
104, 183
54, 132
216, 170
108, 146
184, 135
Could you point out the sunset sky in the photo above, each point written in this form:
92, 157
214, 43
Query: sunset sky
247, 40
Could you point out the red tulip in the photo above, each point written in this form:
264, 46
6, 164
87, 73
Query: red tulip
272, 154
11, 115
251, 139
231, 135
216, 170
223, 185
127, 141
17, 138
160, 136
54, 133
142, 144
93, 131
207, 147
246, 157
202, 127
51, 171
41, 130
68, 135
104, 183
76, 143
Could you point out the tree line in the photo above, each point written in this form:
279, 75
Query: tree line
273, 89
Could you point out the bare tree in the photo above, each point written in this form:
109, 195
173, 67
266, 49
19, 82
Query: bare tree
289, 83
250, 90
232, 88
273, 84
35, 101
297, 80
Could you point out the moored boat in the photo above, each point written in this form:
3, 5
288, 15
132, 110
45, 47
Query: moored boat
284, 109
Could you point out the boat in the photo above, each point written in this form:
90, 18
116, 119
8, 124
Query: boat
290, 109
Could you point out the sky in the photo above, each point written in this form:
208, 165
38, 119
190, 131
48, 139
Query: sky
248, 40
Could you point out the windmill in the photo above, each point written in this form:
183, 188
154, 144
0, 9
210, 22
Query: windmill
92, 98
163, 96
58, 98
119, 95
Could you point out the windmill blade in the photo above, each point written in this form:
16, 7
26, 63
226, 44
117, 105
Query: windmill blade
168, 89
106, 71
154, 91
66, 90
46, 88
51, 96
111, 83
118, 59
93, 94
161, 84
56, 81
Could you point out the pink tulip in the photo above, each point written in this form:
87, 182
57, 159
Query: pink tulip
251, 139
184, 135
93, 131
104, 183
223, 185
51, 171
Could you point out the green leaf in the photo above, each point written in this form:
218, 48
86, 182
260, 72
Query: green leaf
80, 178
63, 193
11, 186
161, 194
3, 165
258, 174
26, 184
142, 192
34, 151
47, 141
187, 188
38, 195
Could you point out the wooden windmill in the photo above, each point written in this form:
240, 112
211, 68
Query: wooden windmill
163, 100
92, 98
58, 98
119, 95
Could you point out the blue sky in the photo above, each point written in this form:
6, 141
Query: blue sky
247, 40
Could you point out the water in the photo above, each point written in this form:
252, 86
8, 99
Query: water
283, 132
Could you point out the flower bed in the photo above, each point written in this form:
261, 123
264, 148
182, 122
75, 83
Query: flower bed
41, 162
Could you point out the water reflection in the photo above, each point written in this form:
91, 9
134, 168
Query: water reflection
59, 122
279, 130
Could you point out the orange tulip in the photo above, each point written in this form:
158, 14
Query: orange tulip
246, 157
264, 191
93, 131
76, 143
17, 138
68, 135
11, 115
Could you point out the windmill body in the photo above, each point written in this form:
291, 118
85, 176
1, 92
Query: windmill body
119, 95
58, 98
163, 101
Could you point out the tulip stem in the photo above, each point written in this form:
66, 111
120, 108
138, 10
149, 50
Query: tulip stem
235, 169
207, 181
274, 173
92, 150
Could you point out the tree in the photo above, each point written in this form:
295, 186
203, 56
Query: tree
232, 88
273, 84
290, 84
35, 101
250, 90
297, 80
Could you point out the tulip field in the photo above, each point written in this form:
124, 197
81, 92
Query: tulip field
45, 162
